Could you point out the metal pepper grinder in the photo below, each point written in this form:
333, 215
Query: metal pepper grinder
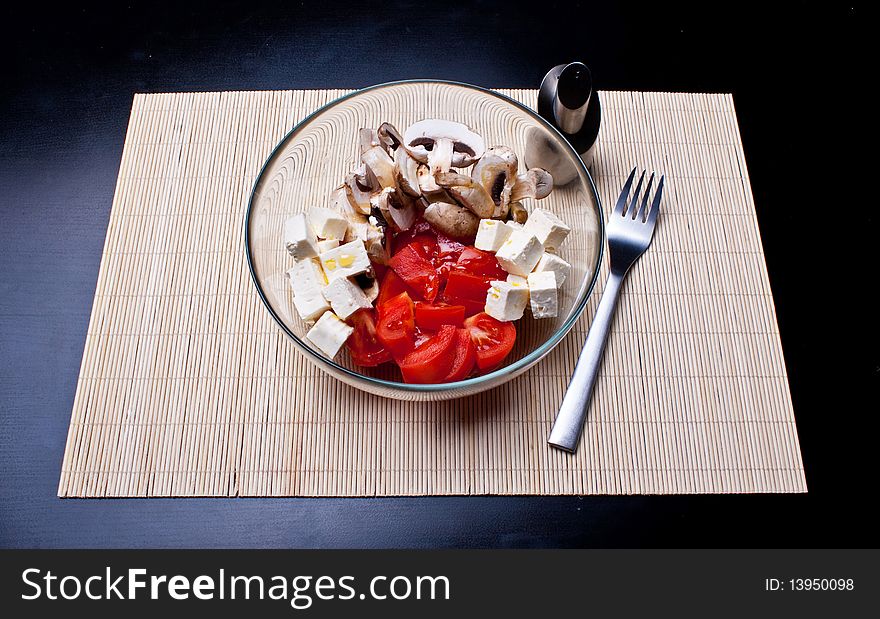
567, 101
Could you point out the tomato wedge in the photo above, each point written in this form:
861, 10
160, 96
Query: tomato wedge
464, 359
417, 271
363, 345
479, 262
448, 248
426, 245
389, 287
467, 290
379, 269
402, 239
396, 328
431, 361
492, 338
432, 317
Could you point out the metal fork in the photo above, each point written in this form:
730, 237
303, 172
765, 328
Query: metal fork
630, 230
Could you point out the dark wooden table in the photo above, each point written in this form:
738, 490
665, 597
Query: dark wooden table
67, 84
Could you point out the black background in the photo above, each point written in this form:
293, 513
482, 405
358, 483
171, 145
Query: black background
797, 73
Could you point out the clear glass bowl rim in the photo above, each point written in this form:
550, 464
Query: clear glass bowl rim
514, 367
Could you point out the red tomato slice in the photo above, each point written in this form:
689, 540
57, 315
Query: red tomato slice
426, 245
389, 287
419, 227
464, 359
417, 271
493, 339
479, 262
396, 328
379, 269
432, 317
467, 290
431, 361
448, 248
363, 345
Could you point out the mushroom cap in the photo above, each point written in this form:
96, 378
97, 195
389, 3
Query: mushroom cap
467, 146
452, 219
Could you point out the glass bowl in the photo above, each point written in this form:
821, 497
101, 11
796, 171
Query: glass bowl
312, 160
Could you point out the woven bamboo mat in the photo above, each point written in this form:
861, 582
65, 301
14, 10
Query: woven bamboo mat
206, 397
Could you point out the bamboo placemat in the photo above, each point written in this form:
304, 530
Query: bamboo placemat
187, 387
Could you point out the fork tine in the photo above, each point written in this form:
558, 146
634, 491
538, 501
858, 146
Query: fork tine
634, 202
621, 201
655, 206
640, 213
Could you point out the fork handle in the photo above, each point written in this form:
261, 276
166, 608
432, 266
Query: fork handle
569, 422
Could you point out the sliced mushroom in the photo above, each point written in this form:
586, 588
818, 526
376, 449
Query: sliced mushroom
395, 208
365, 178
374, 242
536, 183
452, 219
496, 172
358, 196
467, 192
518, 213
372, 237
443, 144
407, 170
403, 210
369, 284
389, 137
380, 164
359, 227
429, 187
367, 139
377, 219
339, 202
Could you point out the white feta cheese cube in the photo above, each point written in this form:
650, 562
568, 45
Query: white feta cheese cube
345, 297
513, 225
552, 262
327, 223
299, 238
517, 279
308, 282
306, 274
310, 306
543, 295
549, 229
329, 334
506, 301
346, 260
520, 253
491, 234
327, 245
